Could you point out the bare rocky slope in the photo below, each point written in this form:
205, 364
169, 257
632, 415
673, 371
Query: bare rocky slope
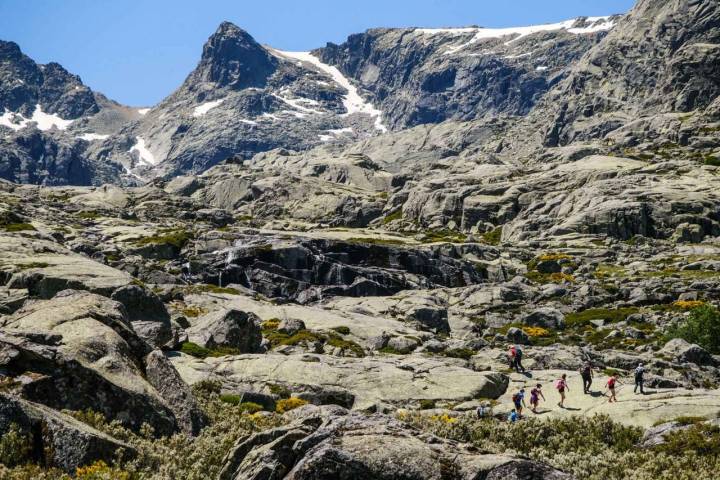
342, 309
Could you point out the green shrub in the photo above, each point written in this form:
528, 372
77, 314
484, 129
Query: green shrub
702, 327
427, 404
701, 439
15, 446
342, 330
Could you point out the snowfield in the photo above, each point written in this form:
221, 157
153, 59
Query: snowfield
352, 102
595, 24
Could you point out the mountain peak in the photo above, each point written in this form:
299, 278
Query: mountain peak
231, 57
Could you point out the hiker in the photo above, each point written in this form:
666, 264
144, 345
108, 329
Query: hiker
519, 401
639, 372
587, 376
611, 383
513, 417
535, 395
511, 356
561, 385
483, 410
518, 360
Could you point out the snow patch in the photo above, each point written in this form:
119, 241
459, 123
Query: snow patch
143, 111
595, 24
296, 104
541, 69
249, 122
352, 102
145, 155
44, 121
201, 110
89, 137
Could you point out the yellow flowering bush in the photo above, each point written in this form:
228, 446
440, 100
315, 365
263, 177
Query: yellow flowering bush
287, 404
688, 304
536, 331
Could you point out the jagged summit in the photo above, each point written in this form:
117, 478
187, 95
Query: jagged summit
232, 58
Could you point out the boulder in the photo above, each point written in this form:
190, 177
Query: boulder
291, 326
684, 352
545, 317
58, 440
516, 335
166, 380
149, 317
227, 328
78, 351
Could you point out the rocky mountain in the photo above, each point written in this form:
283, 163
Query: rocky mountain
321, 308
49, 118
244, 98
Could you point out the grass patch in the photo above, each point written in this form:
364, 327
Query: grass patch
375, 241
18, 227
176, 238
208, 288
464, 353
89, 215
610, 315
337, 342
396, 215
493, 236
28, 266
197, 351
342, 330
444, 236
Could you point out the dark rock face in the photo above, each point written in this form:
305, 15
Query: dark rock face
306, 270
32, 156
416, 77
232, 58
25, 84
662, 57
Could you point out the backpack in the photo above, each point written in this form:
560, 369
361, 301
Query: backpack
518, 353
611, 382
639, 371
559, 383
516, 397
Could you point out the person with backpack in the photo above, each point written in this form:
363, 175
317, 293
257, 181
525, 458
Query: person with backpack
639, 372
511, 356
518, 360
587, 376
535, 395
611, 384
519, 401
562, 386
513, 417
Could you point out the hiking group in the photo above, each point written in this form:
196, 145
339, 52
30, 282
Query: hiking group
561, 385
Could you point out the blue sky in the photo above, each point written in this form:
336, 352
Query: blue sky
139, 51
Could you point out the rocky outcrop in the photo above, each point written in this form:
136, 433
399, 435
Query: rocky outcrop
330, 442
56, 439
78, 350
369, 382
